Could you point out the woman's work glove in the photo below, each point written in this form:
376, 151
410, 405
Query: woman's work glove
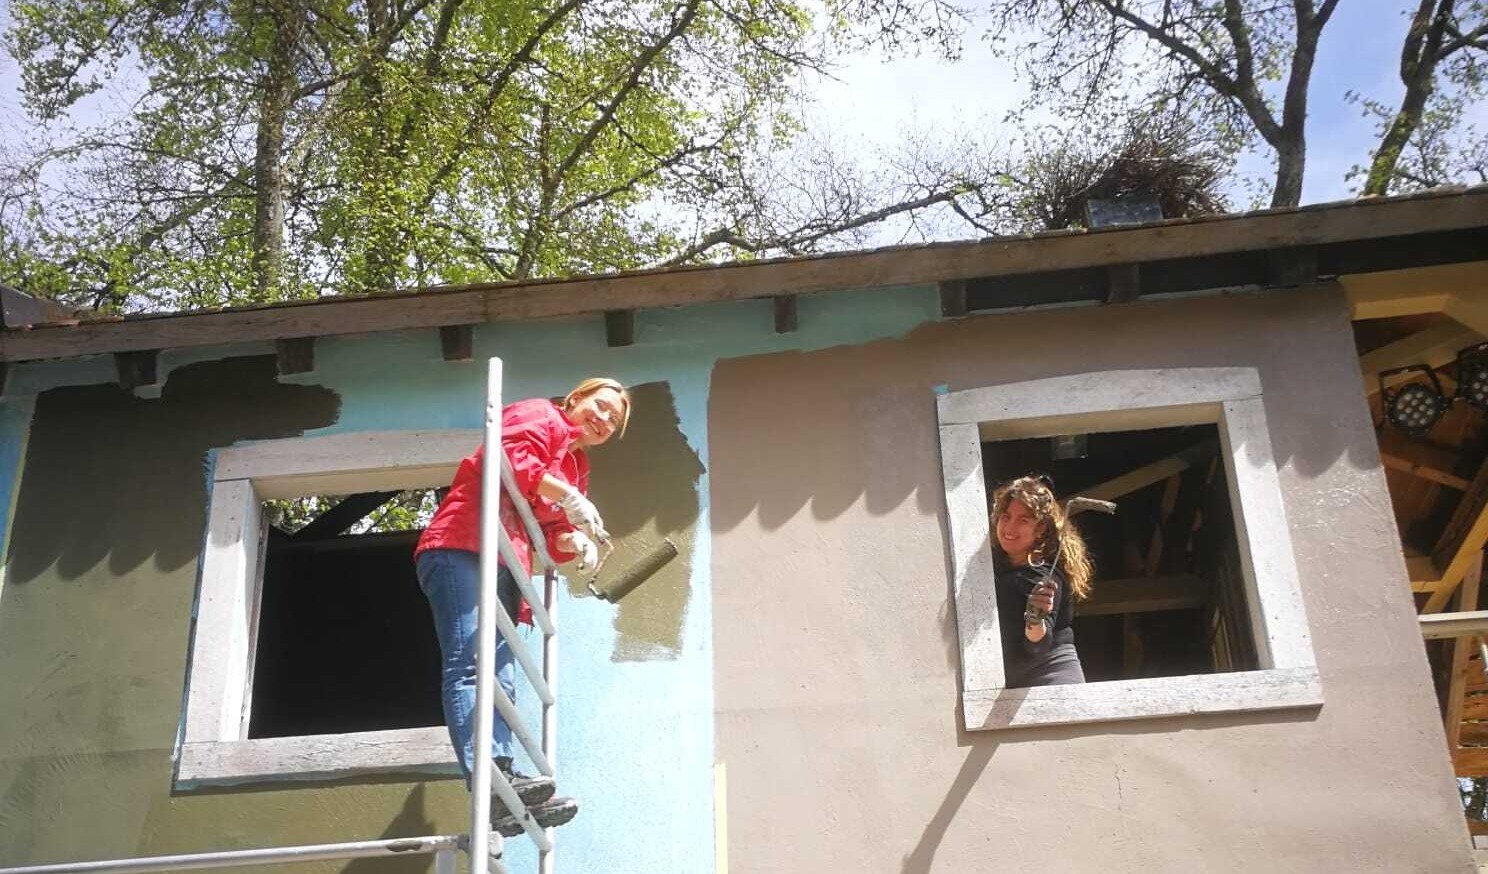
1040, 603
582, 514
579, 543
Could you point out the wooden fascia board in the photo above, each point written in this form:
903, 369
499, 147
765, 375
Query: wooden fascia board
1362, 220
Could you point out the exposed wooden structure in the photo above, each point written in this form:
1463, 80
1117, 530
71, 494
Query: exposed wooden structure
953, 298
785, 313
1124, 282
457, 342
295, 355
1349, 237
620, 327
137, 369
1462, 541
1144, 595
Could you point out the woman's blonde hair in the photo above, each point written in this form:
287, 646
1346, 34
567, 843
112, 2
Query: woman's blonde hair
594, 384
1057, 534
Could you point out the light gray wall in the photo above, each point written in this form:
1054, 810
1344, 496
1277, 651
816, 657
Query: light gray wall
836, 656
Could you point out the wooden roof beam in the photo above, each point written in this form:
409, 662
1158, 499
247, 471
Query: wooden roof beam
1461, 541
1144, 595
1435, 346
1148, 474
1388, 293
1425, 471
1467, 599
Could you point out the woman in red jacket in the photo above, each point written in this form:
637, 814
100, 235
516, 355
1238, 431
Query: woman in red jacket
545, 443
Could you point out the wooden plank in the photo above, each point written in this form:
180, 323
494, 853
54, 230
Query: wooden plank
1426, 472
345, 514
1464, 536
1386, 294
1462, 647
295, 355
1148, 474
1435, 346
1471, 761
620, 327
1424, 576
952, 298
1123, 283
1474, 733
1294, 265
457, 342
137, 369
1144, 595
889, 267
1164, 510
786, 319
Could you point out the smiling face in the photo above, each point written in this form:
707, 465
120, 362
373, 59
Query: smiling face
1018, 530
598, 415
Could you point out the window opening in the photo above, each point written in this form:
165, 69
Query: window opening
1168, 593
344, 638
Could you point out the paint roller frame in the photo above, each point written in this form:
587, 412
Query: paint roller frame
639, 571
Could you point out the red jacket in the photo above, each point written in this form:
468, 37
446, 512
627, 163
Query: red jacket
537, 437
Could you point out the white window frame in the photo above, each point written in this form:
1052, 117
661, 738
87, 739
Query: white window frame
214, 748
1127, 400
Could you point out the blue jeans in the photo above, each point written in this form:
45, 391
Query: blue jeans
450, 579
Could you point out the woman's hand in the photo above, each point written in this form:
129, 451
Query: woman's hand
1040, 605
576, 542
581, 512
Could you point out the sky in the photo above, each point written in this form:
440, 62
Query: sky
870, 103
871, 100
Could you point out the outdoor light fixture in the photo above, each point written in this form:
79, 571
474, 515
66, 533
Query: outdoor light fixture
1472, 375
1415, 406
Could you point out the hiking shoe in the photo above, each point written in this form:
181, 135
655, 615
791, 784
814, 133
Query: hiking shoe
532, 790
550, 813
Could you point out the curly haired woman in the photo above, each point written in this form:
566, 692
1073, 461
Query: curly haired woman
1041, 567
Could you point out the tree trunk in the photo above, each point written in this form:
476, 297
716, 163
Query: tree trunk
380, 183
268, 167
1418, 60
1291, 142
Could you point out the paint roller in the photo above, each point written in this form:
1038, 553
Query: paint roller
641, 570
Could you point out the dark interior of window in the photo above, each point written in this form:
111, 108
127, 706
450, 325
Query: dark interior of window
345, 640
1168, 597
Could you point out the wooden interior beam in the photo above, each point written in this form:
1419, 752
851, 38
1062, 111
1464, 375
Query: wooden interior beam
1464, 537
295, 355
953, 298
786, 317
1435, 346
1467, 599
1423, 572
1388, 293
1123, 283
136, 369
1144, 595
619, 327
1148, 474
349, 511
1425, 471
457, 342
1294, 265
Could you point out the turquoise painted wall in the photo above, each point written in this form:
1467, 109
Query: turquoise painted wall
636, 737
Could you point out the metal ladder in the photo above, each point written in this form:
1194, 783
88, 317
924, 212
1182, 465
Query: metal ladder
481, 843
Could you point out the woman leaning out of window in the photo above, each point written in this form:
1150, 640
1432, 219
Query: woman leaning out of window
1041, 567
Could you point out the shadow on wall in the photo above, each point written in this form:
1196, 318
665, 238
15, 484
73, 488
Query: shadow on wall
412, 819
823, 430
646, 487
111, 476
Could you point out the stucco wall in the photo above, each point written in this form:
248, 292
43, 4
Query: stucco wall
835, 653
96, 599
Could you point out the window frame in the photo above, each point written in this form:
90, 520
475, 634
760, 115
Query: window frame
1126, 400
213, 747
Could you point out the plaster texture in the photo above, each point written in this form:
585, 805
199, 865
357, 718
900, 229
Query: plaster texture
835, 665
105, 543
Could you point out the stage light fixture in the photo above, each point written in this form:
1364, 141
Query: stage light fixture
1472, 375
1415, 406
